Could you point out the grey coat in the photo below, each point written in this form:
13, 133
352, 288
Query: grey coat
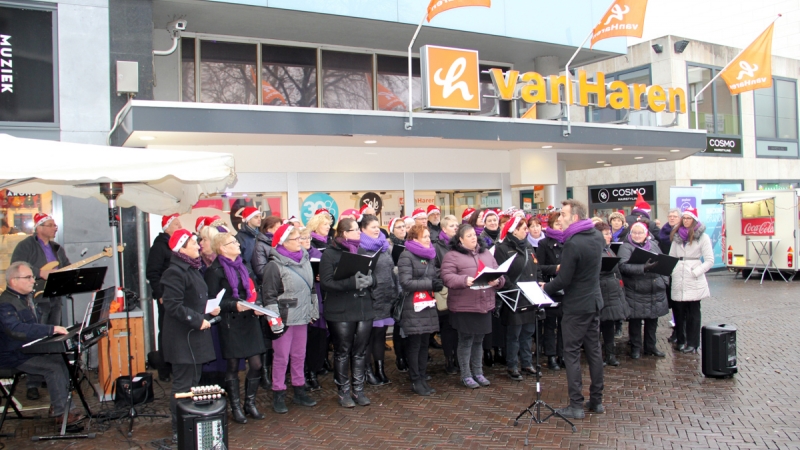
416, 274
291, 282
646, 292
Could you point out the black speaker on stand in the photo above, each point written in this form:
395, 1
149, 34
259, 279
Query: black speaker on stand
719, 350
203, 425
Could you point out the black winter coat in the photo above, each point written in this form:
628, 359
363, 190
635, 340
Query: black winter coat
387, 287
416, 274
157, 262
239, 332
646, 292
580, 273
185, 297
19, 324
524, 268
615, 307
261, 253
343, 302
548, 254
247, 243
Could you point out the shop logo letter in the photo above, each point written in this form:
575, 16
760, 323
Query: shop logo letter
450, 83
747, 70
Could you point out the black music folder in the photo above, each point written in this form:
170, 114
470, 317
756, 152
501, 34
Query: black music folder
488, 274
352, 263
608, 263
665, 265
396, 251
615, 246
314, 267
74, 281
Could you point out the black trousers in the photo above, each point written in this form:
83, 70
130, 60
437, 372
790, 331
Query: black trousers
417, 355
316, 348
635, 332
350, 341
583, 330
687, 323
164, 372
552, 335
184, 377
497, 338
449, 336
398, 342
607, 329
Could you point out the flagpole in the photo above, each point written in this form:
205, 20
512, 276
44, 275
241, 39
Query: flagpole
568, 87
696, 96
410, 123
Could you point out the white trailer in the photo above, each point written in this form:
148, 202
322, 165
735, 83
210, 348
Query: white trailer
761, 231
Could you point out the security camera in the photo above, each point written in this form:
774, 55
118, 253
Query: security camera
177, 25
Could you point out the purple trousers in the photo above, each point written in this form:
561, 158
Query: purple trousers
291, 344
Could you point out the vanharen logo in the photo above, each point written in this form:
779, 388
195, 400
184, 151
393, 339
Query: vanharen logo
747, 70
617, 13
450, 78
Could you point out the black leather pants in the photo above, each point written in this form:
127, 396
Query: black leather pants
350, 341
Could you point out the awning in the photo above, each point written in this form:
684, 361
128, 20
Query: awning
753, 199
155, 181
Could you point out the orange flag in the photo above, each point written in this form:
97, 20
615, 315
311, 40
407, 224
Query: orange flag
623, 18
752, 69
439, 6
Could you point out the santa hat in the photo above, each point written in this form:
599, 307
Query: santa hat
509, 227
166, 220
179, 238
486, 213
641, 224
40, 218
322, 210
418, 213
641, 204
281, 234
691, 212
200, 223
349, 212
291, 220
250, 212
393, 222
433, 209
362, 209
467, 214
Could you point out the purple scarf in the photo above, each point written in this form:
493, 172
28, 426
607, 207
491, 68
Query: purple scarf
577, 227
294, 256
645, 246
419, 251
558, 235
664, 234
683, 232
535, 242
478, 230
351, 245
444, 238
235, 271
314, 252
319, 237
378, 244
196, 263
615, 234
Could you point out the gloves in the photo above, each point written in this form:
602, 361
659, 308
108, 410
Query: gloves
648, 266
363, 281
438, 285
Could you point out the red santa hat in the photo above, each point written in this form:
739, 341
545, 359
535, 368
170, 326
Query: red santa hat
486, 213
201, 222
349, 212
363, 208
467, 214
249, 212
40, 218
509, 227
641, 204
291, 219
394, 221
418, 213
166, 220
281, 234
322, 210
433, 209
179, 238
691, 212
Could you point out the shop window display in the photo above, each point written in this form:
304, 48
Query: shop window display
17, 211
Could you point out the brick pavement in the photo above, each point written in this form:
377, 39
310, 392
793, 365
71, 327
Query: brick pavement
650, 403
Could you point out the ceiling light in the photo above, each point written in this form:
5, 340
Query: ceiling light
662, 159
600, 162
547, 146
616, 149
371, 142
674, 150
607, 165
638, 157
146, 138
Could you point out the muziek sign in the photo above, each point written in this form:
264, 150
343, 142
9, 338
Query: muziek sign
533, 87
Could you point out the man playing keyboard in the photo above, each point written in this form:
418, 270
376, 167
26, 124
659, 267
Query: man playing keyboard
19, 324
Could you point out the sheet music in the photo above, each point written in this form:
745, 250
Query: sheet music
213, 303
534, 293
261, 309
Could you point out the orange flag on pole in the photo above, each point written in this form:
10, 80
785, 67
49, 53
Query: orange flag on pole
752, 69
439, 6
623, 18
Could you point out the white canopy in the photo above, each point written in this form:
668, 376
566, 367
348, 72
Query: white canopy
155, 181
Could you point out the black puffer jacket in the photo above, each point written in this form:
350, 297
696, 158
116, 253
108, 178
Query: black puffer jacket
646, 292
548, 254
387, 287
261, 256
157, 262
615, 307
524, 268
343, 302
416, 274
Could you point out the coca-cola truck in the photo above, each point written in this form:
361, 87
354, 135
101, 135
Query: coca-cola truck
761, 221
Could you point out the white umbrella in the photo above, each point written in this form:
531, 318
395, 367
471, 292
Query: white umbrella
155, 181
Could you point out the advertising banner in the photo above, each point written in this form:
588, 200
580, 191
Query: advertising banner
711, 215
761, 226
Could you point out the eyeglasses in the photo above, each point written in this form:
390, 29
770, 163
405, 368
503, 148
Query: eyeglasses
231, 242
355, 229
49, 226
29, 278
306, 238
296, 239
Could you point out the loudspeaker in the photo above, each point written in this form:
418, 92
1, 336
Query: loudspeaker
719, 350
202, 425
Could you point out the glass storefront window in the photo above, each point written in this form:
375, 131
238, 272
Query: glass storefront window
393, 83
228, 73
288, 76
17, 210
786, 96
717, 109
346, 80
187, 70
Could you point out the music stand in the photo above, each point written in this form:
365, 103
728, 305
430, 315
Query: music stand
538, 300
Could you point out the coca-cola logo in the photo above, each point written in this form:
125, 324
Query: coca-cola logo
758, 227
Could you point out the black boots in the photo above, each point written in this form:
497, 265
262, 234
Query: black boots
359, 396
611, 358
266, 369
279, 402
380, 371
418, 387
499, 356
234, 399
370, 376
488, 359
402, 365
552, 363
311, 381
250, 390
302, 398
451, 366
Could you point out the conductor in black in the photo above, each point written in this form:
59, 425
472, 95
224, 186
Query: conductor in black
578, 277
